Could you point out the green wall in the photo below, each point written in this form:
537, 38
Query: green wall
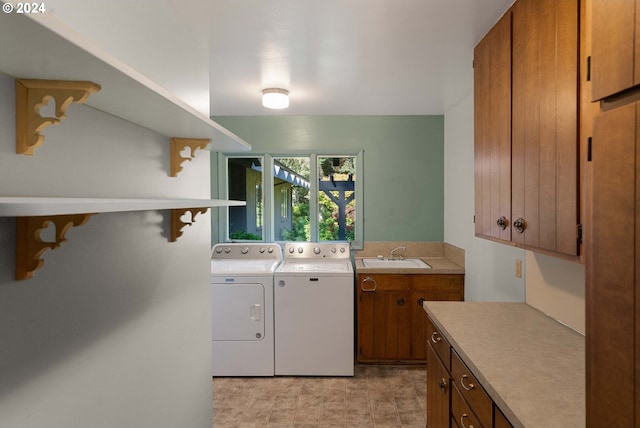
403, 163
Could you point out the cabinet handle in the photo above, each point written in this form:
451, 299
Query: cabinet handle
464, 415
368, 279
502, 222
435, 337
519, 225
443, 384
400, 302
470, 386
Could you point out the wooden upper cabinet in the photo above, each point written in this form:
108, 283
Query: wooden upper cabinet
615, 63
492, 99
545, 149
527, 190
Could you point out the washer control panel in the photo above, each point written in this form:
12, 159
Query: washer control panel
316, 250
246, 251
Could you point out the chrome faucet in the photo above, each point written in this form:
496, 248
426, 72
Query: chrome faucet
392, 255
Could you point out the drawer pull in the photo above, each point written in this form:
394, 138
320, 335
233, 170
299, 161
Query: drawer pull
443, 384
368, 279
470, 386
435, 337
464, 415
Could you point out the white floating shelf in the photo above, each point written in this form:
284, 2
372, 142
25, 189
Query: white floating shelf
35, 214
40, 46
46, 206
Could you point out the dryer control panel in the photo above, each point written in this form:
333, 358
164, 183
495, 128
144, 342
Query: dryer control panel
246, 251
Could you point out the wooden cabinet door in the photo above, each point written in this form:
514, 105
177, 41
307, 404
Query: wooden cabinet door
612, 268
615, 66
438, 392
545, 188
434, 288
492, 131
384, 318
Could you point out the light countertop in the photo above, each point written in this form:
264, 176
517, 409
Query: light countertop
532, 366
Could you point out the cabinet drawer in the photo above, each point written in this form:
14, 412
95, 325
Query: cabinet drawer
462, 414
440, 282
384, 282
439, 344
471, 390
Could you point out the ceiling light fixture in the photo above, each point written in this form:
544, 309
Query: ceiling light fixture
275, 98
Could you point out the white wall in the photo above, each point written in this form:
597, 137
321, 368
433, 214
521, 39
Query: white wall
152, 36
555, 287
114, 330
490, 267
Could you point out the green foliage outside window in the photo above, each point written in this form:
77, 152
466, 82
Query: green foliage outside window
244, 235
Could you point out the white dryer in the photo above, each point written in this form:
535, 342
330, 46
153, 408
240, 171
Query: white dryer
242, 308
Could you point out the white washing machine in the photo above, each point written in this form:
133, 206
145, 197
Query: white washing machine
242, 308
314, 310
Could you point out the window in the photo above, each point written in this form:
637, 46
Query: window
244, 176
337, 198
291, 174
309, 198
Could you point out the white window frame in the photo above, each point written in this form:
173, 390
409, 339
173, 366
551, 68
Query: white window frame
268, 195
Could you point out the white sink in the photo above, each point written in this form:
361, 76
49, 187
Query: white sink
395, 263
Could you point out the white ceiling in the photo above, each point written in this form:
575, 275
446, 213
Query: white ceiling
342, 57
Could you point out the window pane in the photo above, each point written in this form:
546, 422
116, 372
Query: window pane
291, 191
245, 184
337, 198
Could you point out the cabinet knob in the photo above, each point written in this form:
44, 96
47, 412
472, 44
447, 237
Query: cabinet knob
400, 302
420, 301
502, 222
519, 225
443, 384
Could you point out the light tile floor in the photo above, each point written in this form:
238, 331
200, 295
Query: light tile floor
377, 396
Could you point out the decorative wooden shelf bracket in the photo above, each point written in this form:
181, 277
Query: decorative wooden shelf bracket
178, 145
32, 95
177, 224
29, 244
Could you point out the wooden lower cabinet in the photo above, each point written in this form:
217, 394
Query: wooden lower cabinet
438, 391
455, 398
500, 420
391, 322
